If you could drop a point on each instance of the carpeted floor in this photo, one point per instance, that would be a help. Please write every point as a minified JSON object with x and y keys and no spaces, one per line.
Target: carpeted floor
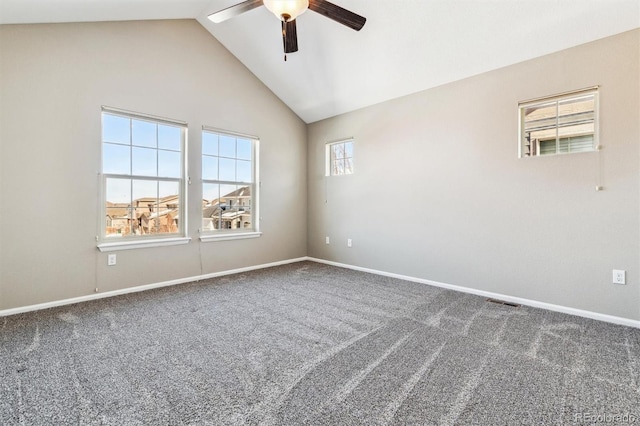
{"x":308,"y":343}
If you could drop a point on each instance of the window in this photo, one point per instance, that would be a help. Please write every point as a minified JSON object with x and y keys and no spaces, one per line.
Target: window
{"x":559,"y":124}
{"x":142,"y":177}
{"x":339,"y":158}
{"x":229,"y":191}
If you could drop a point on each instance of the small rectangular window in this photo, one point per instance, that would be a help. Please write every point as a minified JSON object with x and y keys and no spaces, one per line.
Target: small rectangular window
{"x":559,"y":124}
{"x":142,"y":176}
{"x":339,"y":158}
{"x":229,"y":176}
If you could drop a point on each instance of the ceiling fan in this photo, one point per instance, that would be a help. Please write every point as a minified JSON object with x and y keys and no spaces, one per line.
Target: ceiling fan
{"x":287,"y":11}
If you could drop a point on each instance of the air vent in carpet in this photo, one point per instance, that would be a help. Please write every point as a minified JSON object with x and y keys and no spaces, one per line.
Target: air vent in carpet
{"x":502,"y":302}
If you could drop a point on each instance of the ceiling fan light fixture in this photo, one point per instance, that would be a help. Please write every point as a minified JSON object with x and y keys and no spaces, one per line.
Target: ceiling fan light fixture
{"x":287,"y":10}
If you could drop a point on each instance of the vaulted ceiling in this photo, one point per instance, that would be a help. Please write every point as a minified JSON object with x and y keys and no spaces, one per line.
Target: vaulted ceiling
{"x":406,"y":45}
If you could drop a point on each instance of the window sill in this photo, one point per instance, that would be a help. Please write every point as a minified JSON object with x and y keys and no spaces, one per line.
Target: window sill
{"x":129,"y":245}
{"x":225,"y":237}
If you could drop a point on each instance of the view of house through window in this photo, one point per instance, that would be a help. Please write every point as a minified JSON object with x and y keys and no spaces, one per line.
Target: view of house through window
{"x":228,"y":182}
{"x":559,"y":124}
{"x":339,"y":158}
{"x":143,"y":175}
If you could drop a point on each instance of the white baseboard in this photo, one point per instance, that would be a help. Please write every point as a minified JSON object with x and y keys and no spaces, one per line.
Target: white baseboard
{"x":488,"y":294}
{"x":47,"y":305}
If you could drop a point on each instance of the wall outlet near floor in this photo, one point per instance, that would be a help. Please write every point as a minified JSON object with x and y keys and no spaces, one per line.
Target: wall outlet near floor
{"x":349,"y":242}
{"x":111,"y":260}
{"x":326,"y":239}
{"x":619,"y":276}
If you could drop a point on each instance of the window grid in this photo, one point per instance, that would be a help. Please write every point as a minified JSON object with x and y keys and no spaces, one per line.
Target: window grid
{"x":559,"y":124}
{"x":339,"y":158}
{"x":143,"y":194}
{"x":228,"y":182}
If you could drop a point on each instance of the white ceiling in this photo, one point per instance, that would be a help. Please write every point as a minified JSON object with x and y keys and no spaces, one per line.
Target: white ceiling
{"x":406,"y":45}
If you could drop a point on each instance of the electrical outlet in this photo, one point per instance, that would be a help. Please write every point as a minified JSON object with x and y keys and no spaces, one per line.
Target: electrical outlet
{"x":619,"y":276}
{"x":349,"y":242}
{"x":326,"y":239}
{"x":111,"y":260}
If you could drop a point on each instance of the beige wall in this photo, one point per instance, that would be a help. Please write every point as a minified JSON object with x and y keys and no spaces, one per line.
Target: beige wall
{"x":54,"y":80}
{"x":439,"y":192}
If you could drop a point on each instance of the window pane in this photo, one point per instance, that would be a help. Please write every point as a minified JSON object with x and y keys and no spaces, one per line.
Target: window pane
{"x":227,"y":191}
{"x":210,"y":192}
{"x":536,"y":115}
{"x":169,"y":164}
{"x":339,"y":167}
{"x":168,"y":192}
{"x":145,"y":203}
{"x":244,"y":149}
{"x":117,"y":223}
{"x":209,"y":143}
{"x":576,"y":117}
{"x":578,"y":129}
{"x":235,"y":216}
{"x":145,"y":194}
{"x":243,"y":208}
{"x":143,"y":133}
{"x":211,"y":207}
{"x":145,"y":162}
{"x":348,"y":149}
{"x":337,"y":151}
{"x":168,"y":207}
{"x":209,"y":167}
{"x":243,"y":171}
{"x":548,"y":147}
{"x":118,"y":192}
{"x":577,"y":108}
{"x":227,"y":146}
{"x":116,"y":159}
{"x":227,"y":206}
{"x":115,"y":129}
{"x":118,"y":203}
{"x":581,"y":143}
{"x":227,"y":169}
{"x":348,"y":166}
{"x":540,"y":121}
{"x":169,"y":137}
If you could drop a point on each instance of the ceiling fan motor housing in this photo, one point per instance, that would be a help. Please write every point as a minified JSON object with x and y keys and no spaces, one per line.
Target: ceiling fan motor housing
{"x":287,"y":10}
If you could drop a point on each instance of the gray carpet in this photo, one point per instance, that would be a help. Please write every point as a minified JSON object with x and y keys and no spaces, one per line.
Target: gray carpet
{"x":313,"y":344}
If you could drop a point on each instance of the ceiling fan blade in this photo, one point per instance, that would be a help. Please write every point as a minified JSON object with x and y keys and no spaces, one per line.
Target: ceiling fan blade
{"x":289,"y":36}
{"x":230,"y":12}
{"x":338,"y":14}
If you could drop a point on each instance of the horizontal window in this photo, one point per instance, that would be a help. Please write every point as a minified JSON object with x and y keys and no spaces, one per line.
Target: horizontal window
{"x":559,"y":124}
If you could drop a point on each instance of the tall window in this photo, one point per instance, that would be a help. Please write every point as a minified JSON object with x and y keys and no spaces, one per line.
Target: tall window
{"x":143,"y":176}
{"x":229,"y":176}
{"x":559,"y":124}
{"x":339,"y":158}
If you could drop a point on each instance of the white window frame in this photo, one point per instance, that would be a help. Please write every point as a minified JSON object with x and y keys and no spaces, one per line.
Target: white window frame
{"x":150,"y":240}
{"x":238,"y":233}
{"x":328,"y":162}
{"x":556,"y":99}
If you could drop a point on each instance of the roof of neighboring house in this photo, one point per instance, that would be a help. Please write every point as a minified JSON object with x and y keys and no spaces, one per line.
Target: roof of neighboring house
{"x":244,"y":191}
{"x":163,"y":213}
{"x":212,"y":208}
